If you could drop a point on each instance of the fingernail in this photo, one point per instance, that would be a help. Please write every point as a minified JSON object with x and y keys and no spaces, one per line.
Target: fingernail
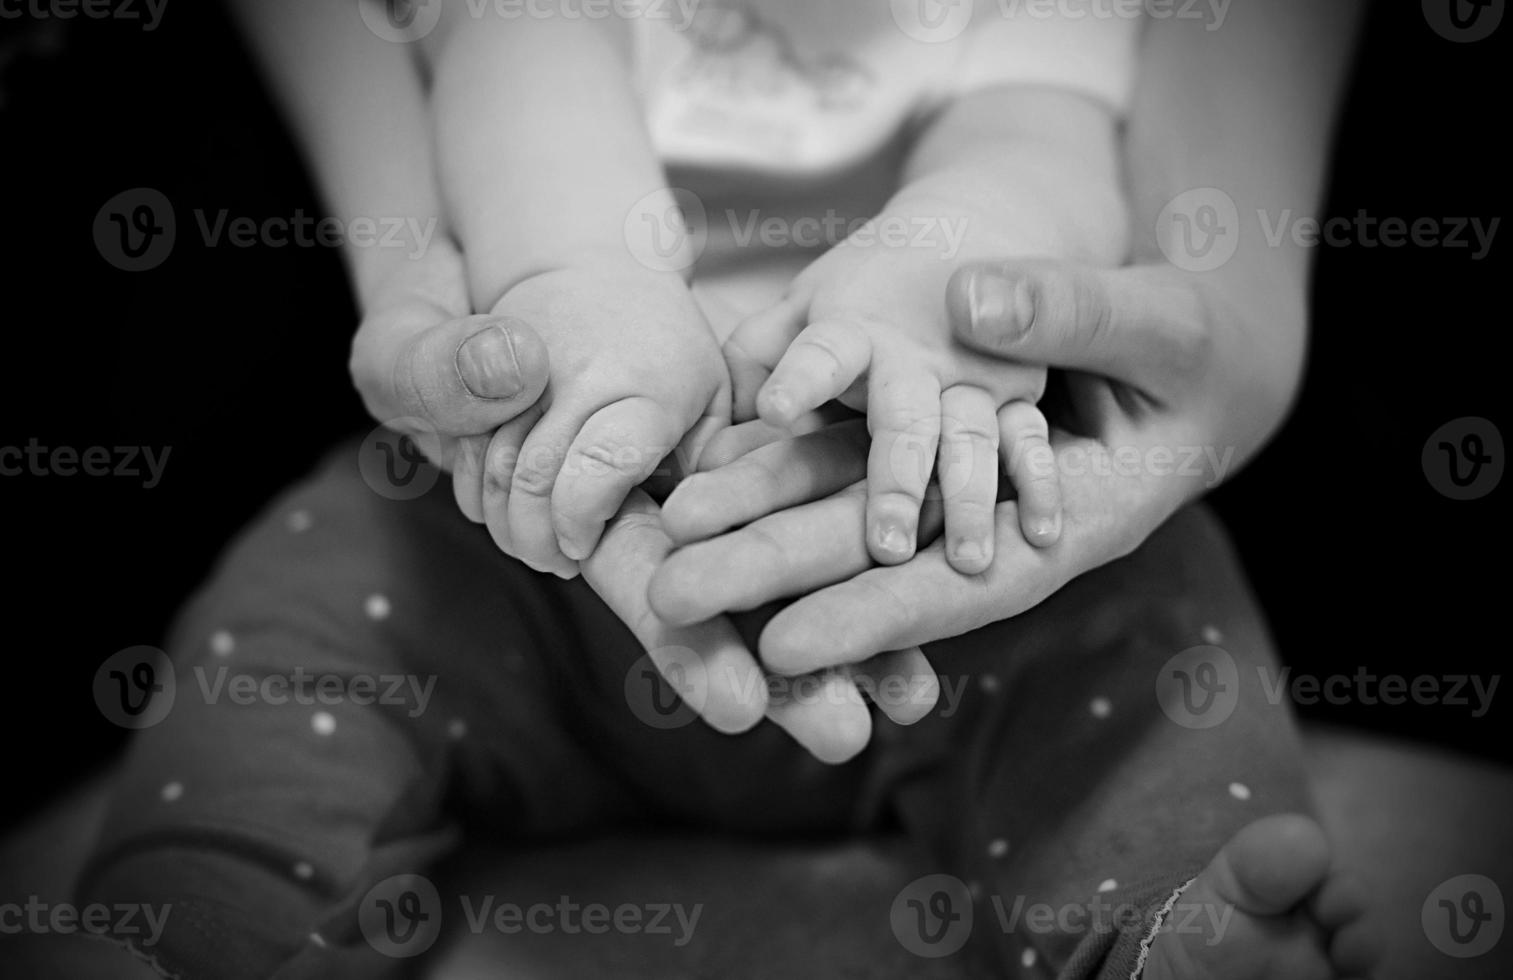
{"x":966,"y":550}
{"x":1047,"y":529}
{"x":1001,"y":309}
{"x":779,"y":403}
{"x":892,"y":539}
{"x":487,"y":364}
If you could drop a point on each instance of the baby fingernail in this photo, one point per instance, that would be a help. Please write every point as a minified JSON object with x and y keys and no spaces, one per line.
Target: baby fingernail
{"x":1046,"y":528}
{"x":779,"y":403}
{"x":487,"y":364}
{"x":892,"y":539}
{"x":966,"y":550}
{"x":1001,"y":308}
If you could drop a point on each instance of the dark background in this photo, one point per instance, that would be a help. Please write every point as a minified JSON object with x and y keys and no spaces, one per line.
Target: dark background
{"x":236,"y":359}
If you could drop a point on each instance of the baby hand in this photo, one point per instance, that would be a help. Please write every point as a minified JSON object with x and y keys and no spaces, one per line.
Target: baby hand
{"x":866,"y":324}
{"x":634,"y":370}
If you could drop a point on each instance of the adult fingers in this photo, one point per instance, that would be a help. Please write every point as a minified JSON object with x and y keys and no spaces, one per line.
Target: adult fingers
{"x":772,"y":477}
{"x":464,"y":376}
{"x":1143,"y":325}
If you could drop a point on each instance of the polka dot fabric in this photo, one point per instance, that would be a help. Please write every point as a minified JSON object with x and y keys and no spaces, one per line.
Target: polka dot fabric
{"x":461,"y":689}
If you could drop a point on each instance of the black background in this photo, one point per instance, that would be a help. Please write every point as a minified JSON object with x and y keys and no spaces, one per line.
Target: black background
{"x":236,"y":359}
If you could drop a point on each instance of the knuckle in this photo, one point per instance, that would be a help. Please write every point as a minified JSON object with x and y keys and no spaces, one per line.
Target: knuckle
{"x":634,"y":523}
{"x":903,"y":421}
{"x":533,"y":475}
{"x":606,"y":458}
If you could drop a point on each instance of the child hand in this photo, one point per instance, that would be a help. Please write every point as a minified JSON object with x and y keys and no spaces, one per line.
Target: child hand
{"x":634,"y":370}
{"x":866,"y":324}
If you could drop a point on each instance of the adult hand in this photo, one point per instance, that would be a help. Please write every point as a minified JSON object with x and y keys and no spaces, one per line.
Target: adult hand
{"x":1172,"y":388}
{"x":449,"y":379}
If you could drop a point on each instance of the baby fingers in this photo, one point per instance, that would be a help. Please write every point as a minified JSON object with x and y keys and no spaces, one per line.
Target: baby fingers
{"x":821,"y":364}
{"x":1031,"y":466}
{"x":968,"y":475}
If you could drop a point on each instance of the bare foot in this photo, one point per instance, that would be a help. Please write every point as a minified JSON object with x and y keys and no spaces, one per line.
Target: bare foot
{"x":1268,"y":907}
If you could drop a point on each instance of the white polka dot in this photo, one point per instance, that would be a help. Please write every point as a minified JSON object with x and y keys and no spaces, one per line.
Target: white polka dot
{"x":1212,"y":636}
{"x":317,"y":939}
{"x":998,"y":847}
{"x":300,"y":521}
{"x":974,"y":888}
{"x":1239,"y":791}
{"x":172,"y":791}
{"x":222,"y":643}
{"x":1027,"y":958}
{"x":323,"y":722}
{"x":303,"y":871}
{"x":1107,"y":885}
{"x":457,"y":728}
{"x":1100,"y":707}
{"x":377,"y":606}
{"x":989,"y":683}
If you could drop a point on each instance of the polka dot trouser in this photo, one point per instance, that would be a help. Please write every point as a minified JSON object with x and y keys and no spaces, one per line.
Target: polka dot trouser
{"x":364,"y":682}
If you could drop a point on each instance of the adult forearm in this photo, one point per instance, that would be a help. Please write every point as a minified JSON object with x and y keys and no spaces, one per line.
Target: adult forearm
{"x":1246,"y":108}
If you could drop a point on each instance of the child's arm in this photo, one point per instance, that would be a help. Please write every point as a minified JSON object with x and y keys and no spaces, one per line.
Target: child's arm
{"x":1035,"y":160}
{"x":567,"y":223}
{"x":544,"y":156}
{"x":356,"y":104}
